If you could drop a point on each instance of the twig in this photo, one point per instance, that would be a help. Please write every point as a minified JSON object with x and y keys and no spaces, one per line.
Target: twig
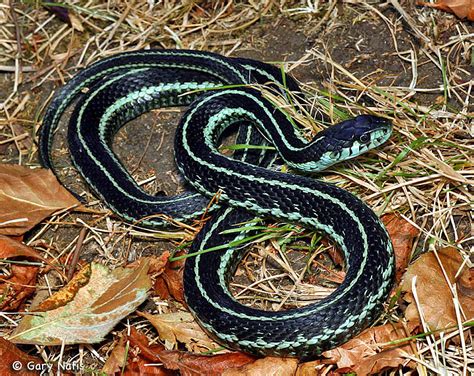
{"x":77,"y":252}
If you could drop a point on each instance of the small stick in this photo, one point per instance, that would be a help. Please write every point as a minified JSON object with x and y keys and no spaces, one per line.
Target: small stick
{"x":77,"y":251}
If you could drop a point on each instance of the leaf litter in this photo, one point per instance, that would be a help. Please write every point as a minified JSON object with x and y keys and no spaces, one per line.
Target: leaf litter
{"x":180,"y":327}
{"x":20,"y":283}
{"x":427,"y":190}
{"x":29,"y":196}
{"x":86,"y":309}
{"x":439,"y":278}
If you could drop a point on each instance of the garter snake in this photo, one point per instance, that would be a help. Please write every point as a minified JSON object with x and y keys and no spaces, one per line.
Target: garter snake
{"x":215,"y":88}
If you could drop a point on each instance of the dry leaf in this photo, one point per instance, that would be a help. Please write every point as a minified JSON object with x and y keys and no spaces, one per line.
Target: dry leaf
{"x":28,"y":196}
{"x":434,"y":294}
{"x":18,"y":286}
{"x":95,"y":308}
{"x":186,"y":363}
{"x":269,"y":366}
{"x":310,"y":368}
{"x":140,"y":340}
{"x":364,"y":354}
{"x":135,"y":359}
{"x":159,"y":263}
{"x":20,"y":283}
{"x":139,"y":366}
{"x":13,"y":358}
{"x":198,"y":365}
{"x":12,"y":248}
{"x":403,"y":235}
{"x":461,"y":8}
{"x":117,"y":358}
{"x":67,"y":293}
{"x":181,"y":327}
{"x":170,"y":282}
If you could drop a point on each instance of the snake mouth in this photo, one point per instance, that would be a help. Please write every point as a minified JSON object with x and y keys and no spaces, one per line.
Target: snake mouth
{"x":380,"y":135}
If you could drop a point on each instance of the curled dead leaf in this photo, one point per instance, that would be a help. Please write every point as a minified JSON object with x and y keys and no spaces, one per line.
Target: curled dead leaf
{"x":174,"y":360}
{"x":170,"y":283}
{"x":67,"y":293}
{"x":93,"y":311}
{"x":19,"y":285}
{"x":466,"y":284}
{"x":434,"y":292}
{"x":403,"y":234}
{"x":181,"y":327}
{"x":10,"y":354}
{"x":196,"y":365}
{"x":270,"y":366}
{"x":10,"y":247}
{"x":147,"y":351}
{"x":139,"y":366}
{"x":29,"y":196}
{"x":371,"y":352}
{"x":127,"y":359}
{"x":312,"y":368}
{"x":117,"y":358}
{"x":159,"y":263}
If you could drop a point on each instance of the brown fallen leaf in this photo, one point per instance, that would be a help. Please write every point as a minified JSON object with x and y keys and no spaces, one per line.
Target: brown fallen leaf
{"x":17,"y":287}
{"x":170,"y":282}
{"x":269,"y":366}
{"x":403,"y":235}
{"x":131,"y":355}
{"x":312,"y":368}
{"x":67,"y":293}
{"x":91,"y":311}
{"x":29,"y":196}
{"x":159,"y":263}
{"x":141,"y":341}
{"x":13,"y":358}
{"x":465,"y":284}
{"x":10,"y":247}
{"x":198,"y":365}
{"x":184,"y":362}
{"x":434,"y":294}
{"x":181,"y":327}
{"x":20,"y":283}
{"x":139,"y":366}
{"x":365,"y":355}
{"x":117,"y":358}
{"x":461,"y":8}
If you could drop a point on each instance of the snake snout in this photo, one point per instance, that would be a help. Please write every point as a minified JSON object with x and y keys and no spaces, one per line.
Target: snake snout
{"x":364,"y":132}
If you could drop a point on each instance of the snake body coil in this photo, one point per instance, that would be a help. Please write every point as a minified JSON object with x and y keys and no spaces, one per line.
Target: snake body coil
{"x":126,"y":85}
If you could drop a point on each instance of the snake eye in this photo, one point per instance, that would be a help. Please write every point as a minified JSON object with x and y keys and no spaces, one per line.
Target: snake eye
{"x":364,"y":138}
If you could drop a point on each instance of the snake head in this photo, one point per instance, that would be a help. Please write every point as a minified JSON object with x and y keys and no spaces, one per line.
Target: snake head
{"x":359,"y":134}
{"x":349,"y":139}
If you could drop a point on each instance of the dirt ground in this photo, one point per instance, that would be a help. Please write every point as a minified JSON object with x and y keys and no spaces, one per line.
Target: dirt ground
{"x":335,"y":49}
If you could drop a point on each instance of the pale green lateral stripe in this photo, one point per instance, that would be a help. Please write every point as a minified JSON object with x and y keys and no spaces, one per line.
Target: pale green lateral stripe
{"x":119,"y":99}
{"x":130,"y":98}
{"x":278,"y":213}
{"x":74,"y":92}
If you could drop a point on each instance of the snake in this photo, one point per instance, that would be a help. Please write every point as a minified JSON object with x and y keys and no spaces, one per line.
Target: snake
{"x":223,"y":94}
